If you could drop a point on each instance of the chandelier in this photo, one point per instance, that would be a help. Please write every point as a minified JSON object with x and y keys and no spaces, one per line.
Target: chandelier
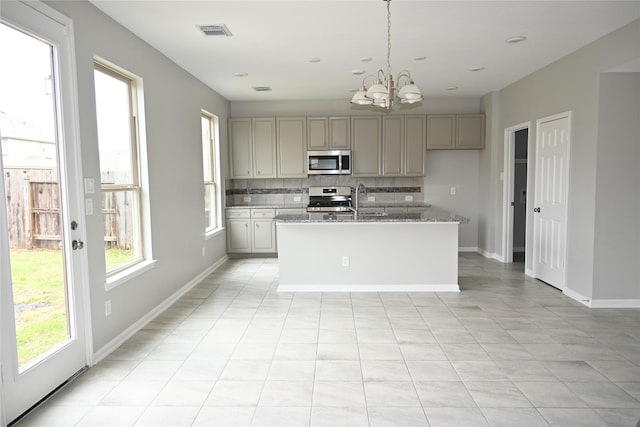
{"x":381,"y":94}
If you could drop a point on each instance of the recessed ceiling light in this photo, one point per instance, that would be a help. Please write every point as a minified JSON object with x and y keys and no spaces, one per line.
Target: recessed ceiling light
{"x":476,"y":68}
{"x":314,"y":60}
{"x":358,"y":72}
{"x":420,"y":58}
{"x":241,"y":74}
{"x":516,"y":39}
{"x":366,"y":59}
{"x":452,"y":88}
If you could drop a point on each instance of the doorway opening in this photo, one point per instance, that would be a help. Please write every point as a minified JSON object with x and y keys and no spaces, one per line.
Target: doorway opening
{"x":521,"y":141}
{"x":516,"y":185}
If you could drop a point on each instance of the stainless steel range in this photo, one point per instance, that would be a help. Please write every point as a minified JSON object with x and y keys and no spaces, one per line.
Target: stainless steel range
{"x":329,"y":199}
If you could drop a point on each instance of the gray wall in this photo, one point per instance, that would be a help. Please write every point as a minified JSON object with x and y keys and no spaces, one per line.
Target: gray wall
{"x":569,"y":84}
{"x":173,"y":100}
{"x":617,"y":229}
{"x":444,"y":169}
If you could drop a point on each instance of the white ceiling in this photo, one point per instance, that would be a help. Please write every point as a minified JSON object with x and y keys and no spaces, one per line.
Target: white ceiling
{"x":273,"y":41}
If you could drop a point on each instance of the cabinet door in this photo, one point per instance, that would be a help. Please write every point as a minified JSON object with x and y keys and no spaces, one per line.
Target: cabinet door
{"x":241,"y":153}
{"x":292,"y":143}
{"x":415,"y":141}
{"x":366,"y":146}
{"x":264,"y":235}
{"x":441,"y":132}
{"x":238,"y":236}
{"x":339,"y":133}
{"x":264,"y":148}
{"x":392,"y":145}
{"x":470,"y":131}
{"x":318,"y":133}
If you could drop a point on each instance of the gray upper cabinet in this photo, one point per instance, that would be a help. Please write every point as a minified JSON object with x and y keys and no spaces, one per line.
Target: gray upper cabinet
{"x":441,"y":130}
{"x":415,"y":137}
{"x":340,"y":133}
{"x":366,"y":146}
{"x":264,"y":147}
{"x":241,"y":152}
{"x":393,"y":145}
{"x":318,"y":132}
{"x":253,"y":147}
{"x":455,"y":132}
{"x":292,"y":144}
{"x":404,"y":145}
{"x":470,"y":131}
{"x":327,"y":133}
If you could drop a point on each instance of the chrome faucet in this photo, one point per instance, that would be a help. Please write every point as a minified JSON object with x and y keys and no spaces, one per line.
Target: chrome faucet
{"x":359,"y":189}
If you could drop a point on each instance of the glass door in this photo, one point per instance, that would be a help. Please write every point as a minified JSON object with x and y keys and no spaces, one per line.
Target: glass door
{"x":43,"y":343}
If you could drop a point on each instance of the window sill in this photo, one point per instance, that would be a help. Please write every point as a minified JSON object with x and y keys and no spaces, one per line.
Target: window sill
{"x":128,"y":274}
{"x":213,"y":233}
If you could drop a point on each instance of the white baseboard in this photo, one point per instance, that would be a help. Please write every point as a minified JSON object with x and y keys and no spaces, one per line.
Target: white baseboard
{"x":577,"y":296}
{"x":468,"y":249}
{"x":112,"y":345}
{"x":370,"y":288}
{"x":486,"y":254}
{"x":615,"y":303}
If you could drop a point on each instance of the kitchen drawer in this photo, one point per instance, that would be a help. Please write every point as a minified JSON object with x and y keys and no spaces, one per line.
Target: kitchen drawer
{"x":262,"y":213}
{"x":238,"y":213}
{"x":294,"y":211}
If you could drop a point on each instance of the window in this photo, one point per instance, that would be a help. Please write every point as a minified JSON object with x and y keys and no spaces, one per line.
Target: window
{"x":118,"y":144}
{"x":210,"y":169}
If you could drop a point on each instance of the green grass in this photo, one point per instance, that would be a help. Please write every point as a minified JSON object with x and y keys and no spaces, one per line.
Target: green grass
{"x":38,"y":289}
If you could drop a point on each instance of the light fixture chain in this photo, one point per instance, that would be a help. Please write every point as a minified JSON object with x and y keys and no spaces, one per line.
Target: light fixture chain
{"x":388,"y":36}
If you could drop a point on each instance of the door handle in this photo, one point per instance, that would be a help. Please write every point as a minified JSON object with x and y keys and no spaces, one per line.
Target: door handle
{"x":536,"y":210}
{"x":77,"y":244}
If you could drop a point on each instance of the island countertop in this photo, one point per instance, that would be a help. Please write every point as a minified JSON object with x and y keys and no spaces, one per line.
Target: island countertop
{"x":426,"y":215}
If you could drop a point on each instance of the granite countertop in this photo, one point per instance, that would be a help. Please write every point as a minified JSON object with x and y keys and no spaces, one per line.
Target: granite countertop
{"x":362,"y":206}
{"x":427,"y":215}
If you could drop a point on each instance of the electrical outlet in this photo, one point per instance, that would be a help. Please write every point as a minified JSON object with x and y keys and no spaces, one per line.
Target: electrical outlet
{"x":203,"y":251}
{"x":297,"y":198}
{"x":246,"y":198}
{"x":371,"y":198}
{"x":453,"y":191}
{"x":408,"y":198}
{"x":345,"y":260}
{"x":107,"y":308}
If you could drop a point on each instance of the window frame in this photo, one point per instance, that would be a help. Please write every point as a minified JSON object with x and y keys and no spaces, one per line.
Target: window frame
{"x":136,"y":187}
{"x":213,"y":181}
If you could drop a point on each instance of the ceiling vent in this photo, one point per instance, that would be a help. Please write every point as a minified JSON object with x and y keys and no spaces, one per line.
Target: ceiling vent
{"x":262,"y":88}
{"x":215,"y":30}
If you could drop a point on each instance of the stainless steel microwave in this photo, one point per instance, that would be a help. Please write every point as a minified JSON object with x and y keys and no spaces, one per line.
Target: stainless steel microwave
{"x":329,"y":162}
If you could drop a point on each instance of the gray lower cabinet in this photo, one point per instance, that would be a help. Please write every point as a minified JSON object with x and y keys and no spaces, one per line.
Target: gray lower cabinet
{"x":251,"y":231}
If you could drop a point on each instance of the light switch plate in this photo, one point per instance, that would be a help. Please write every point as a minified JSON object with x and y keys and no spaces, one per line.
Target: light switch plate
{"x":89,"y":186}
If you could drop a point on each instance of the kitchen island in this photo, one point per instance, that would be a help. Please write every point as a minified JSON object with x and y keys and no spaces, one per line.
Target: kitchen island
{"x":377,"y":252}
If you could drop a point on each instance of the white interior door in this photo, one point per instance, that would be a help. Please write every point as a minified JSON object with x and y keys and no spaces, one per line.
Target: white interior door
{"x":551,"y":193}
{"x":42,"y":263}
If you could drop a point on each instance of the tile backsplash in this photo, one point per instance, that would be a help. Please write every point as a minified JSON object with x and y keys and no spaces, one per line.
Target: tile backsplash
{"x":295,"y":191}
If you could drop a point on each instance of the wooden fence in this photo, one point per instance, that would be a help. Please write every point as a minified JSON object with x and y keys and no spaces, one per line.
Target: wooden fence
{"x":33,"y":207}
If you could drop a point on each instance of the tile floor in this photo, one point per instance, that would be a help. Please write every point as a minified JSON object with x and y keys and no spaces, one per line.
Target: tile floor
{"x":506,"y":351}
